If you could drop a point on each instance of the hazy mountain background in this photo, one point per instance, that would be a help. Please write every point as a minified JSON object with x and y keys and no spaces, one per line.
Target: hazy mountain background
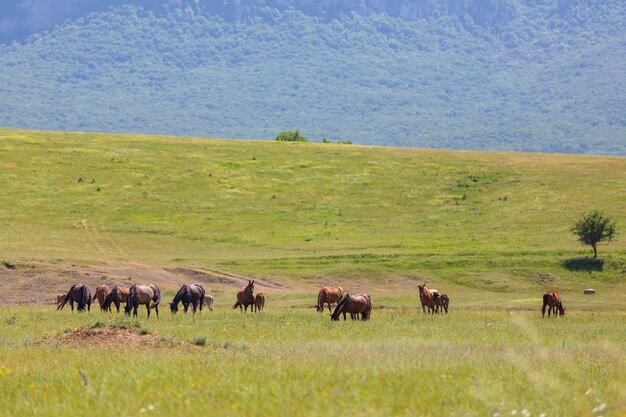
{"x":537,"y":75}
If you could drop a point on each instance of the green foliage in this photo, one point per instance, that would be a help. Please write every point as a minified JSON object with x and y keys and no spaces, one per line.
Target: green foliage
{"x":501,"y":75}
{"x":291,"y":136}
{"x":594,"y":227}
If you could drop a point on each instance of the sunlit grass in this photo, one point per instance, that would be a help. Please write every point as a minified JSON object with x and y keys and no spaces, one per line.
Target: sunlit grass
{"x":289,"y":362}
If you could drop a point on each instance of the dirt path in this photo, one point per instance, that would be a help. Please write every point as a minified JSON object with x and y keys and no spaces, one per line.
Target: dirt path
{"x":17,"y":286}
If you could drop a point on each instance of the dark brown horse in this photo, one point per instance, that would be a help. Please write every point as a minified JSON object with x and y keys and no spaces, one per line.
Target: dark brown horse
{"x":79,"y":294}
{"x":117,"y":296}
{"x":188,"y":294}
{"x":441,"y":302}
{"x":355,"y":305}
{"x":328,"y":295}
{"x":245,"y":297}
{"x":427,"y":298}
{"x":259,"y":302}
{"x":101,"y":294}
{"x":142,"y":295}
{"x":552,"y":300}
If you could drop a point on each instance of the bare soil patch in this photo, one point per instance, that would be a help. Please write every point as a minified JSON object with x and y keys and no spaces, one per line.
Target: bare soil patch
{"x":113,"y":338}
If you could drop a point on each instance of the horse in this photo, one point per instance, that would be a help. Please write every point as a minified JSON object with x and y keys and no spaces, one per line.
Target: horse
{"x":60,"y":298}
{"x":427,"y":298}
{"x":188,"y":294}
{"x":245,"y":297}
{"x":143,"y":294}
{"x":328,"y":295}
{"x":117,"y":296}
{"x":81,"y":295}
{"x":259,"y":302}
{"x":208,"y":301}
{"x":101,"y":294}
{"x":441,"y":302}
{"x":355,"y":305}
{"x":552,"y":300}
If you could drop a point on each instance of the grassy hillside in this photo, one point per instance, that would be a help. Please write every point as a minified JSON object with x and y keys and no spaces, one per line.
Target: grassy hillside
{"x":493,"y":221}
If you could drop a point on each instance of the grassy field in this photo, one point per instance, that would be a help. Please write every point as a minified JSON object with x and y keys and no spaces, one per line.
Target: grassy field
{"x":490,"y":229}
{"x":289,"y":362}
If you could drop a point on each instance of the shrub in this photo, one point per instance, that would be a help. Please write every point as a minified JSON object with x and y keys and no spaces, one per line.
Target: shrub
{"x":291,"y":136}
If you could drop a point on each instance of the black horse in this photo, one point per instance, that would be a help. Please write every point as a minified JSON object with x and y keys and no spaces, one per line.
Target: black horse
{"x":81,"y":295}
{"x":188,"y":294}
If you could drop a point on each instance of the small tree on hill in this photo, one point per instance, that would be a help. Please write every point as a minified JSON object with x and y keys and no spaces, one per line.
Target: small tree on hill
{"x":291,"y":136}
{"x":594,"y":227}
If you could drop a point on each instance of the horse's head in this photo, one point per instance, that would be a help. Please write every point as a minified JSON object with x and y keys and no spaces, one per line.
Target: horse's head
{"x":174,"y":307}
{"x":127,"y":308}
{"x":561,"y":310}
{"x":251,"y":285}
{"x":421,"y":288}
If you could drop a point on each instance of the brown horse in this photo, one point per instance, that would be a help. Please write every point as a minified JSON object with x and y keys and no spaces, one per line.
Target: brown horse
{"x":355,"y":305}
{"x":441,"y":302}
{"x":60,"y":298}
{"x":117,"y":296}
{"x":552,"y":300}
{"x":259,"y":302}
{"x":79,"y":294}
{"x":329,"y":295}
{"x":101,"y":294}
{"x":142,"y":295}
{"x":245,"y":297}
{"x":427,"y":298}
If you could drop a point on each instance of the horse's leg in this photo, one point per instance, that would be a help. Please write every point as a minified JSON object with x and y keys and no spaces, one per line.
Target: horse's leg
{"x":117,"y":306}
{"x":148,"y":308}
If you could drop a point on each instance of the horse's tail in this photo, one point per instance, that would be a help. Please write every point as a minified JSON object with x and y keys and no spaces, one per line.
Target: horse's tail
{"x":86,"y":297}
{"x":66,"y":299}
{"x":368,"y":310}
{"x":320,"y":300}
{"x":236,"y":305}
{"x":156,"y":298}
{"x":545,"y":303}
{"x":109,"y":298}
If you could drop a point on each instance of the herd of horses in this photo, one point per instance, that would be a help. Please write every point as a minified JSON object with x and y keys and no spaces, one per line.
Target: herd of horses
{"x":359,"y":306}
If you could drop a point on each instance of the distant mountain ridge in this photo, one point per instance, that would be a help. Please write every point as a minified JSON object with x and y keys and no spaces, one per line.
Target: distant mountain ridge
{"x":532,"y":75}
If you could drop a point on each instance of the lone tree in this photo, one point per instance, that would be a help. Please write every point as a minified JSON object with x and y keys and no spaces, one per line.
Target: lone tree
{"x":594,"y":227}
{"x":291,"y":136}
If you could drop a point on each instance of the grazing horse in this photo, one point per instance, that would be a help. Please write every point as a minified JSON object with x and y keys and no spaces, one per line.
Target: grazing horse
{"x":101,"y":294}
{"x":60,"y":298}
{"x":143,"y":294}
{"x":208,"y":301}
{"x":259,"y":302}
{"x":427,"y":298}
{"x":328,"y":295}
{"x":117,"y":296}
{"x":355,"y":305}
{"x":188,"y":294}
{"x":245,"y":297}
{"x":552,"y":300}
{"x":441,"y":302}
{"x":81,"y":295}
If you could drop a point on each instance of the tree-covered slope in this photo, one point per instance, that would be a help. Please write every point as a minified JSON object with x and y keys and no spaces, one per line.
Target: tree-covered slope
{"x":480,"y":74}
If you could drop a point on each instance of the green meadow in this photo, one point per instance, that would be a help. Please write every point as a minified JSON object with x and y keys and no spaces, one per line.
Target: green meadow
{"x":492,"y":230}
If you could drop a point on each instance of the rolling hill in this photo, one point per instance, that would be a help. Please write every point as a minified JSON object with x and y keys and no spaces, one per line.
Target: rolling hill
{"x":298,"y":214}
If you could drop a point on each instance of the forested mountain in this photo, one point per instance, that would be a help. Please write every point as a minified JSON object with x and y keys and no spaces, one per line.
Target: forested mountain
{"x":534,"y":75}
